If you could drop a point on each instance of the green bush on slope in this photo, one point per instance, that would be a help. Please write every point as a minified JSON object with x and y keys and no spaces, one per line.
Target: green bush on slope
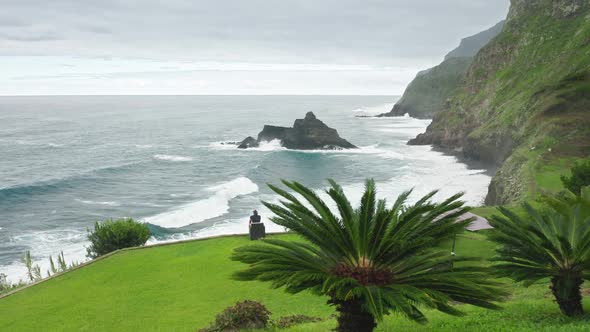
{"x":112,"y":235}
{"x":579,"y":178}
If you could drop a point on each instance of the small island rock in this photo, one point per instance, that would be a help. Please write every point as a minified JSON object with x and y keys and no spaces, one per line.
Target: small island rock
{"x":308,"y":133}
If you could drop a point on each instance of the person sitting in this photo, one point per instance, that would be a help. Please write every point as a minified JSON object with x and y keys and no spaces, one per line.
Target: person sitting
{"x":257,"y":230}
{"x":254,"y":218}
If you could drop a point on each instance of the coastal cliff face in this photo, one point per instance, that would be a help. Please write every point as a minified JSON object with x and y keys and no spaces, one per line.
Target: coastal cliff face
{"x":525,"y":102}
{"x":427,"y":93}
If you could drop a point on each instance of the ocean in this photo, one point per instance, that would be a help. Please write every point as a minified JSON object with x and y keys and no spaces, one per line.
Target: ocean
{"x":69,"y":161}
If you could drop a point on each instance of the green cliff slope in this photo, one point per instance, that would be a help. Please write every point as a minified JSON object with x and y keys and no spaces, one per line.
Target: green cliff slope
{"x":525,"y":104}
{"x":427,"y":93}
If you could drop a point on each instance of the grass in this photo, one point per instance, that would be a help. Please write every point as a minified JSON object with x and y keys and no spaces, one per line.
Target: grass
{"x":182,"y":287}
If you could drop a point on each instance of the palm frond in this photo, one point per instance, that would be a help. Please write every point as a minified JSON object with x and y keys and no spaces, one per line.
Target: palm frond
{"x":385,"y":257}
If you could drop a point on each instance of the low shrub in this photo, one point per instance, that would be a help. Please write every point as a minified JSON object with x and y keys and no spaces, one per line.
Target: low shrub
{"x":7,"y":286}
{"x":243,"y":315}
{"x":112,"y":235}
{"x":288,"y":321}
{"x":580,"y":177}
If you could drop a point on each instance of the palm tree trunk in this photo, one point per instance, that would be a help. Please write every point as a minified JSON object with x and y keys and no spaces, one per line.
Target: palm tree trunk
{"x":352,"y":318}
{"x":566,"y":289}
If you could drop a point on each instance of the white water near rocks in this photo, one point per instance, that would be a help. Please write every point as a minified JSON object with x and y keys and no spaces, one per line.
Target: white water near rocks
{"x":71,"y":161}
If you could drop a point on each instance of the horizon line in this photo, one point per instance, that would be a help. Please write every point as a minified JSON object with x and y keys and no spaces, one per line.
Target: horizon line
{"x":197,"y":95}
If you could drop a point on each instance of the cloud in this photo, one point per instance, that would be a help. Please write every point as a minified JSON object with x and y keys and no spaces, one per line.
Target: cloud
{"x":288,"y":42}
{"x":6,"y":21}
{"x":29,"y":37}
{"x":319,"y":31}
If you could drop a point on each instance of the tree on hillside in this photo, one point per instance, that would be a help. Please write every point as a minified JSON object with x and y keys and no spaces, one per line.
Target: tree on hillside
{"x":553,"y":242}
{"x":369,"y":261}
{"x":579,"y":178}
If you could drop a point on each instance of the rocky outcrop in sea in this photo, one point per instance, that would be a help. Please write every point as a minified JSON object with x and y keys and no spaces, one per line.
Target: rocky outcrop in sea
{"x":308,"y":133}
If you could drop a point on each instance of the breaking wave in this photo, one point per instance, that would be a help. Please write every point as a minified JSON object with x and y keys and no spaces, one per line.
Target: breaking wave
{"x":214,"y":206}
{"x":172,"y":158}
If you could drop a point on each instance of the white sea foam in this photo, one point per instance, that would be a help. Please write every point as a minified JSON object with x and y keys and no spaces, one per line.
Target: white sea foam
{"x":172,"y":158}
{"x":226,"y":227}
{"x":43,"y":244}
{"x":449,"y":177}
{"x":109,"y":203}
{"x":374,"y":110}
{"x":220,"y":146}
{"x":30,"y":143}
{"x":143,"y":146}
{"x":214,"y":206}
{"x":275,"y":145}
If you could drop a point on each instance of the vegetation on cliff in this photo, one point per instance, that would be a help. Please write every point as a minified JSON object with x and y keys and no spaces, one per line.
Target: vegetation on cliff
{"x":526,"y":101}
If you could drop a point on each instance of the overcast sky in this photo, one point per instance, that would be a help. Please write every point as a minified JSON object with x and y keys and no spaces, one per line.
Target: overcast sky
{"x":229,"y":46}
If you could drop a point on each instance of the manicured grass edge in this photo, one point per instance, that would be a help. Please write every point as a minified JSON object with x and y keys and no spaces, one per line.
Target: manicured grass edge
{"x":92,"y":261}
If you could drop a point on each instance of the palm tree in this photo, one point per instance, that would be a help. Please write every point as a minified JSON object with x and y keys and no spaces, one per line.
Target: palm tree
{"x":369,"y":261}
{"x":553,"y":243}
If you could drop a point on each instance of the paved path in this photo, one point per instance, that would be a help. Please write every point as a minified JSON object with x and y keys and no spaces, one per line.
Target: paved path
{"x":478,"y":224}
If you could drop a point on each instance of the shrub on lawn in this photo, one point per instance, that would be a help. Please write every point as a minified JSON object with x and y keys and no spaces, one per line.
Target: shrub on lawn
{"x":288,"y":321}
{"x":112,"y":235}
{"x":243,"y":315}
{"x":580,"y":177}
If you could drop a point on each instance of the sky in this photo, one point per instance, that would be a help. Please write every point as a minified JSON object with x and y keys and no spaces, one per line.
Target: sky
{"x":178,"y":47}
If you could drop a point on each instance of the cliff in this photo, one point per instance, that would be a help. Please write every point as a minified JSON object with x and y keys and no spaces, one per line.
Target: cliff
{"x":427,"y":93}
{"x":525,"y":103}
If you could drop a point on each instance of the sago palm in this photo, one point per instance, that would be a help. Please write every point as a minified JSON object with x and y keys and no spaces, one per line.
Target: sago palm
{"x":549,"y":243}
{"x":372,"y":260}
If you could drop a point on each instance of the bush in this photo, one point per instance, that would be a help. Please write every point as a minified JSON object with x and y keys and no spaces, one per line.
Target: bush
{"x":243,"y":315}
{"x":7,"y":286}
{"x":580,"y":177}
{"x":288,"y":321}
{"x":112,"y":235}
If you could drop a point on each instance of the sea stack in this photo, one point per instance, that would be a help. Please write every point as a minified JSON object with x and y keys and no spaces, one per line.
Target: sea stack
{"x":308,"y":133}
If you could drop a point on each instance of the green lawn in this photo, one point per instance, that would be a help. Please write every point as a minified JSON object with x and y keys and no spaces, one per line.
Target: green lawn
{"x":181,"y":287}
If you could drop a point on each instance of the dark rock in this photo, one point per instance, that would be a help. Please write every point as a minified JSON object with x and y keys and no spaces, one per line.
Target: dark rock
{"x":270,"y":133}
{"x":308,"y":133}
{"x":311,"y":133}
{"x":248,"y":142}
{"x":397,"y":110}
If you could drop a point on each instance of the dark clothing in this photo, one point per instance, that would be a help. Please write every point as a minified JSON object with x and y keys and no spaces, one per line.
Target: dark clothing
{"x":254,"y":218}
